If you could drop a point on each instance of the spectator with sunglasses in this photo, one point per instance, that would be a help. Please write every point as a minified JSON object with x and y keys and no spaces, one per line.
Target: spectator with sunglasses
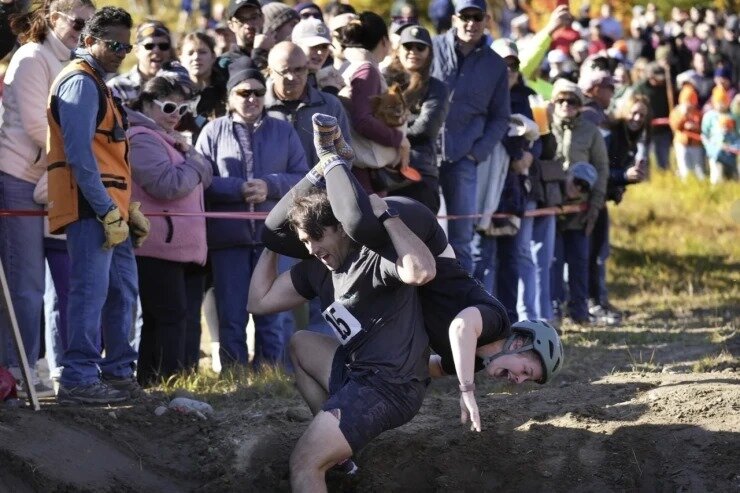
{"x":478,"y":118}
{"x":256,"y":160}
{"x":168,"y":175}
{"x":49,"y":36}
{"x":153,"y":50}
{"x":246,"y":21}
{"x":427,"y":99}
{"x":578,"y":140}
{"x":89,"y":197}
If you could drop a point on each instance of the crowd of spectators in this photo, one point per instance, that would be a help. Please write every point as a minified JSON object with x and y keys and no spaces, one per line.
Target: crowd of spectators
{"x":501,"y":119}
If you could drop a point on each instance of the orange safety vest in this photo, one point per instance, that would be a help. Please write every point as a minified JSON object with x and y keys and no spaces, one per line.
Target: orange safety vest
{"x":109,"y":146}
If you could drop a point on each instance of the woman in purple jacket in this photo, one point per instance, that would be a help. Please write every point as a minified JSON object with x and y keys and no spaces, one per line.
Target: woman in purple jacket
{"x":168,"y":176}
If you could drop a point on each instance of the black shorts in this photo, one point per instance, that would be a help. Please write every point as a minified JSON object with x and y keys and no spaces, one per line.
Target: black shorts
{"x":369,"y":405}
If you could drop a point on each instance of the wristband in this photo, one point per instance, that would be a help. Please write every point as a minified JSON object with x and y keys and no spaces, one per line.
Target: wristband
{"x":467,"y":387}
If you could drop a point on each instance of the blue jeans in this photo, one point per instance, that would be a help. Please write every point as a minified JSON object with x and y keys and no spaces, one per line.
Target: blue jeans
{"x":662,"y":143}
{"x":458,"y":181}
{"x":56,"y":303}
{"x":543,"y":248}
{"x":528,"y":289}
{"x":103,"y":287}
{"x":599,"y":253}
{"x":572,"y":247}
{"x":232,"y":272}
{"x":22,"y":255}
{"x":497,"y":269}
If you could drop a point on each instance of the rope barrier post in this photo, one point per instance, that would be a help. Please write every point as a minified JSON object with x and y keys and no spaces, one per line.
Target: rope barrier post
{"x":20,"y":349}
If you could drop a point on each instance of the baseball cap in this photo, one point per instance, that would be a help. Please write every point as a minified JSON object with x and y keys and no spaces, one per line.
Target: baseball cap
{"x":415,"y":34}
{"x":557,"y":56}
{"x":505,"y":47}
{"x":461,"y":5}
{"x":311,"y":32}
{"x":583,"y":171}
{"x":595,"y":78}
{"x":235,"y":5}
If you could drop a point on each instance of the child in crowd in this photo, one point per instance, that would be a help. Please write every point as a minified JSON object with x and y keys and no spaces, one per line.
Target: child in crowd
{"x":685,"y":121}
{"x":719,"y":135}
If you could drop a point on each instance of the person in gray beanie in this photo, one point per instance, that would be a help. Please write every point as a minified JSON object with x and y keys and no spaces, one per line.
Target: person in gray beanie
{"x":280,"y":20}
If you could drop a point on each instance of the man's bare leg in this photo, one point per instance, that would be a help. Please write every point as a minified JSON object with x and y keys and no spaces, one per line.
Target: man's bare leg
{"x":319,"y":448}
{"x":312,"y":355}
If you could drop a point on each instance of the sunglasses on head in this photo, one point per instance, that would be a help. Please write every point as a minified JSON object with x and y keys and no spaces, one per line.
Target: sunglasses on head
{"x":472,"y":16}
{"x":168,"y":107}
{"x":164,"y":46}
{"x":568,"y":101}
{"x":415,"y":46}
{"x":116,"y":46}
{"x":77,"y":23}
{"x":248,"y":93}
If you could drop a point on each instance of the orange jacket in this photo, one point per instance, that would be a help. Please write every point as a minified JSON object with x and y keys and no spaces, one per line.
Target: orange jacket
{"x":685,"y":121}
{"x":111,"y":154}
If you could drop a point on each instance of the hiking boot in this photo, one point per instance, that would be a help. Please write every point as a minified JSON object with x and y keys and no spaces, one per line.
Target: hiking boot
{"x":126,"y":384}
{"x":605,"y":314}
{"x":96,"y":393}
{"x":42,"y":391}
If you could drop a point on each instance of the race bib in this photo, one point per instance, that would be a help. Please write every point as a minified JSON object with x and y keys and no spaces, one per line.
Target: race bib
{"x":345,"y":325}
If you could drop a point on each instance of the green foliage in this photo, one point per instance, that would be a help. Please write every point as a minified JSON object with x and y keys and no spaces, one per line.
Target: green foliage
{"x":675,"y":241}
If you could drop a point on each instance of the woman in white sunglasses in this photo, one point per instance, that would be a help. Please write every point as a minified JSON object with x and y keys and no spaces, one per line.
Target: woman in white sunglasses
{"x":168,"y":176}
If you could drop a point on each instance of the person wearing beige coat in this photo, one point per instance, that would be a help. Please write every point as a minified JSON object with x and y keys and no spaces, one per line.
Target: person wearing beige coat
{"x":48,"y":36}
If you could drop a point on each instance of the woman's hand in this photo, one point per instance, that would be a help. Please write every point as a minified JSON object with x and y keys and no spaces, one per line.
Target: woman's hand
{"x":469,"y":409}
{"x":181,"y":143}
{"x":635,"y":174}
{"x":254,"y":191}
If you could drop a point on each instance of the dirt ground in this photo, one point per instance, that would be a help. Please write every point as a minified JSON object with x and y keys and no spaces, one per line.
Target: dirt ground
{"x":653,"y":406}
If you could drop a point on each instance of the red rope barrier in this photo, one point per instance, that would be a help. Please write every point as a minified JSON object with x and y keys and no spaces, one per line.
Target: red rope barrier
{"x":547,"y":211}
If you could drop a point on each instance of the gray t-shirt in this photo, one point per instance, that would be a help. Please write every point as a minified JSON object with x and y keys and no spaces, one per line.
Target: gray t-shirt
{"x":375,"y":316}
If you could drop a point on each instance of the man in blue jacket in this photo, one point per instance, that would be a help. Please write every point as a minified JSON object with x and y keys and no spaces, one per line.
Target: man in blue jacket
{"x":478,"y":116}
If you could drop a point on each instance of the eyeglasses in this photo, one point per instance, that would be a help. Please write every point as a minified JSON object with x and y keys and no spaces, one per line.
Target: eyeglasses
{"x":168,"y":107}
{"x":77,"y":23}
{"x":568,"y":101}
{"x":116,"y":46}
{"x":472,"y":16}
{"x":296,"y":71}
{"x":307,"y":14}
{"x":247,"y":19}
{"x":248,"y":93}
{"x":415,"y":47}
{"x":164,"y":46}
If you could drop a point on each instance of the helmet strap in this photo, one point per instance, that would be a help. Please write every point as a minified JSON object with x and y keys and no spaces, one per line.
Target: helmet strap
{"x":507,"y":350}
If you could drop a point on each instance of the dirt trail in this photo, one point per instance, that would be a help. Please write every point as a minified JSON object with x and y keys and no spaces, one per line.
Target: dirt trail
{"x":598,"y":428}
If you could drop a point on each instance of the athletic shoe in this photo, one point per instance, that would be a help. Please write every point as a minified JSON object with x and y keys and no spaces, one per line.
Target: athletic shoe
{"x":126,"y":384}
{"x":605,"y":314}
{"x":96,"y":393}
{"x":42,"y":391}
